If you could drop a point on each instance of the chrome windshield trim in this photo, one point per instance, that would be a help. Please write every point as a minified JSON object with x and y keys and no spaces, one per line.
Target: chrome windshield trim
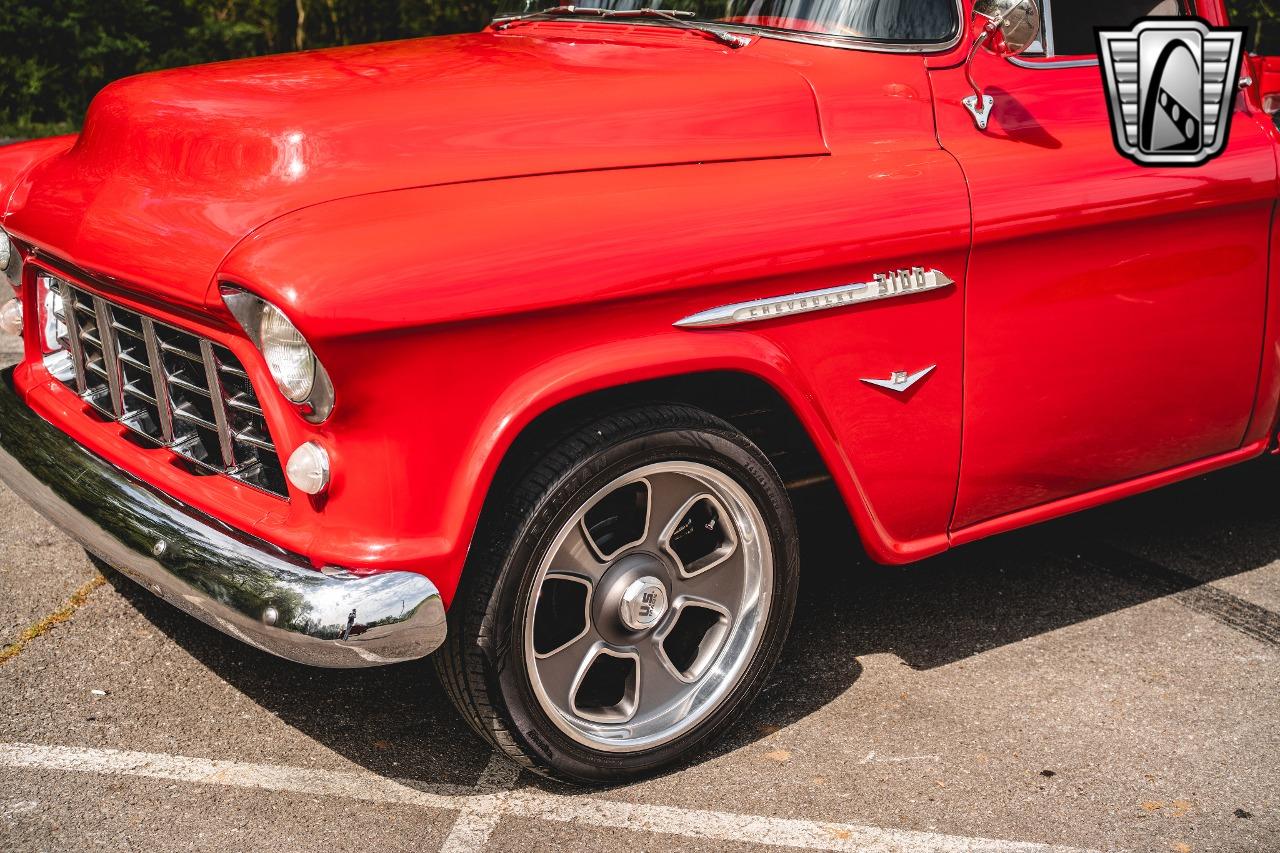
{"x":884,"y":286}
{"x":1046,"y":17}
{"x":818,"y":39}
{"x":1050,"y":64}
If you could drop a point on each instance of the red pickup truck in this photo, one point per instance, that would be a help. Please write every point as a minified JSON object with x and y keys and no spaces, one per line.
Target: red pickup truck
{"x":537,"y":326}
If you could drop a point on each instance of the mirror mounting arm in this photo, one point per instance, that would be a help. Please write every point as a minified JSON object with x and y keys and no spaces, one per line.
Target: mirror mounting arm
{"x":1008,"y":28}
{"x":979,"y":104}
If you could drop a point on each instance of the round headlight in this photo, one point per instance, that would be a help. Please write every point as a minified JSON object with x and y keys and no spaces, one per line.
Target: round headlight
{"x":290,"y":360}
{"x":6,"y":251}
{"x":288,"y":356}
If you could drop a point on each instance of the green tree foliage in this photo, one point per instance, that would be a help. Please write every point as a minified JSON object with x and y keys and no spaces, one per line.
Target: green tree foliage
{"x":56,"y":54}
{"x":1263,"y":23}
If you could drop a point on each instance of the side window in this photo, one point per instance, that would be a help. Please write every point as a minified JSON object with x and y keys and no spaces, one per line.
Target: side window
{"x":1069,"y":24}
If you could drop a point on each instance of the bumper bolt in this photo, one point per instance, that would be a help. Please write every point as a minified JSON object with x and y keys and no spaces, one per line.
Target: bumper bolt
{"x":160,"y":548}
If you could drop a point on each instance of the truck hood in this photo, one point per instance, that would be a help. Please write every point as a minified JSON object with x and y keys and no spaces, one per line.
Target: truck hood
{"x":173,"y":169}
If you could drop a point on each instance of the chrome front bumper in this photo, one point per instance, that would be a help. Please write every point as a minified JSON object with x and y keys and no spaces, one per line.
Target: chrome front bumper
{"x":241,"y":585}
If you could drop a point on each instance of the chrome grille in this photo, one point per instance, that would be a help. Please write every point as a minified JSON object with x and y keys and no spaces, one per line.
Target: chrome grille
{"x":176,"y":389}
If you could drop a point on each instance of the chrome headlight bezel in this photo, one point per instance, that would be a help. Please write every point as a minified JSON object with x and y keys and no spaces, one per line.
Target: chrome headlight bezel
{"x":267,"y":325}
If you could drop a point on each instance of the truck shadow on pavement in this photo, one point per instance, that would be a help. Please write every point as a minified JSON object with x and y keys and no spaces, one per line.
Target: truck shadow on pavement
{"x":397,"y":722}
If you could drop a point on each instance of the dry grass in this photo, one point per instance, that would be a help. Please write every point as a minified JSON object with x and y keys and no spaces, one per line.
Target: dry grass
{"x":54,"y":619}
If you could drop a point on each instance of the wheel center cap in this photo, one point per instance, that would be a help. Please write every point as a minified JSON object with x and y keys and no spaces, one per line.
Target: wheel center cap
{"x":643,"y":603}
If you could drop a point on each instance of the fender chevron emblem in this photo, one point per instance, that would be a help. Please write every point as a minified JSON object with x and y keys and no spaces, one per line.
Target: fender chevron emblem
{"x":901,"y":381}
{"x":885,"y":286}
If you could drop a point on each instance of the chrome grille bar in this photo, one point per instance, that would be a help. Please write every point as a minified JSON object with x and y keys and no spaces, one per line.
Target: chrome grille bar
{"x":219,"y":412}
{"x":159,"y":380}
{"x":240,"y":404}
{"x":184,"y":413}
{"x":177,"y":381}
{"x":107,"y":342}
{"x":180,"y":390}
{"x":255,"y":440}
{"x":73,"y":335}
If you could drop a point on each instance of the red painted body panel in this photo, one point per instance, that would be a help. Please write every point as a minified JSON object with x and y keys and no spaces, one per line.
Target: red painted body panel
{"x":1115,"y":312}
{"x":174,"y":168}
{"x":473,"y":230}
{"x":565,"y":309}
{"x":1266,"y":74}
{"x":16,"y":160}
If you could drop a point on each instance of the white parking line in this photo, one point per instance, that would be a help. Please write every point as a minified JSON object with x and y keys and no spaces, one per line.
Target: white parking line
{"x":479,"y":818}
{"x":872,"y":758}
{"x":484,"y":805}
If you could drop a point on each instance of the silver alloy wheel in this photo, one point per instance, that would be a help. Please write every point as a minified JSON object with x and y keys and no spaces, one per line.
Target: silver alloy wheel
{"x":649,"y":606}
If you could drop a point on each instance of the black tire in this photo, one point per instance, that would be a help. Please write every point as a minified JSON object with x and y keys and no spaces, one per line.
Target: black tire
{"x":482,"y":664}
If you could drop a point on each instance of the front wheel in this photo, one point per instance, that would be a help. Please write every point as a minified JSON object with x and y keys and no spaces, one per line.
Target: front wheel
{"x":628,"y":598}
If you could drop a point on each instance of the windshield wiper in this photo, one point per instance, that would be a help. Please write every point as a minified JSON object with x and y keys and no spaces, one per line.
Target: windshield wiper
{"x":672,"y":17}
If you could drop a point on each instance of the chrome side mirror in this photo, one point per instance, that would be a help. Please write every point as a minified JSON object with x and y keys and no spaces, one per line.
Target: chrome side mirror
{"x":1005,"y":28}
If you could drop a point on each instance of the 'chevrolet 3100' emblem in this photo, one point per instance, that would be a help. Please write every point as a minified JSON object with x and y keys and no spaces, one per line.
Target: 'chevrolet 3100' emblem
{"x":883,"y":286}
{"x":1171,"y":85}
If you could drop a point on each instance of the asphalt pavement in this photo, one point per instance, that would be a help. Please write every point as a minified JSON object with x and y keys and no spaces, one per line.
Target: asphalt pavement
{"x":1107,"y":682}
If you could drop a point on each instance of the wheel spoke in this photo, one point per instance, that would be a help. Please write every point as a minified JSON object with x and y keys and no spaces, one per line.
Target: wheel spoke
{"x":669,"y":497}
{"x":722,"y":585}
{"x":559,"y":670}
{"x":658,"y":685}
{"x":562,"y":614}
{"x":575,"y":556}
{"x":691,"y":644}
{"x":616,"y":521}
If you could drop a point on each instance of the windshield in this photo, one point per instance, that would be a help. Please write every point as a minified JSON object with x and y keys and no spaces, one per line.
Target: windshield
{"x":913,"y":21}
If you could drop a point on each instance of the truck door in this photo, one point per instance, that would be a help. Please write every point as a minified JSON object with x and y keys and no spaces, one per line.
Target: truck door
{"x":1114,"y":313}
